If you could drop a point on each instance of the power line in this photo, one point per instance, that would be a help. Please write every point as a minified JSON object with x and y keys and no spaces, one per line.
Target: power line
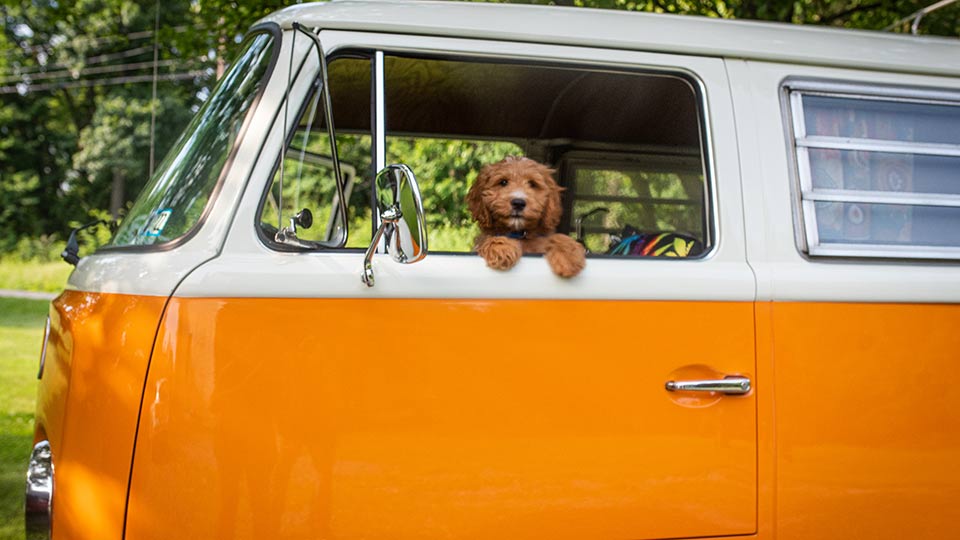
{"x":29,"y":77}
{"x":99,"y":59}
{"x":133,"y":36}
{"x":130,"y":79}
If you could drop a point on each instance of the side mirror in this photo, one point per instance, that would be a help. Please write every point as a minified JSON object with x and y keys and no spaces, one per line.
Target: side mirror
{"x":71,"y":254}
{"x":401,"y":219}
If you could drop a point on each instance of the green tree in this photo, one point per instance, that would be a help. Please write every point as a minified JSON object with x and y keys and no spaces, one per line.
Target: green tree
{"x":76,"y":102}
{"x":76,"y":98}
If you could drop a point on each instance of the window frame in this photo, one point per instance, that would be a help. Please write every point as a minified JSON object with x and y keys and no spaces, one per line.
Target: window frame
{"x":272,"y":29}
{"x":377,"y":54}
{"x":289,"y":139}
{"x":805,"y":195}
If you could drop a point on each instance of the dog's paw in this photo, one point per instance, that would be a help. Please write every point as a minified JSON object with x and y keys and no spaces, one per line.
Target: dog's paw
{"x":500,"y":253}
{"x":565,"y":256}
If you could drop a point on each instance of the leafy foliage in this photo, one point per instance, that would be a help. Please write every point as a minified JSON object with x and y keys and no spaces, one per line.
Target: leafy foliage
{"x":76,"y":99}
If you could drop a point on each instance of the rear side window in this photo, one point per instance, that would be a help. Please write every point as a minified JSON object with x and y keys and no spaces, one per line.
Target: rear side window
{"x":879,"y":175}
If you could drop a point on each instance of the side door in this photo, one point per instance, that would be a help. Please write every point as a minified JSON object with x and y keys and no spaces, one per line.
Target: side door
{"x":288,"y":399}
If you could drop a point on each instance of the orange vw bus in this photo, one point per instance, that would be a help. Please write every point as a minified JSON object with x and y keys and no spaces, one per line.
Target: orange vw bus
{"x":247,"y":359}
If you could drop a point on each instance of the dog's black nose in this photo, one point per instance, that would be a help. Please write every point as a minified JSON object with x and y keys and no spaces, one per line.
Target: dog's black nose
{"x":518,"y":204}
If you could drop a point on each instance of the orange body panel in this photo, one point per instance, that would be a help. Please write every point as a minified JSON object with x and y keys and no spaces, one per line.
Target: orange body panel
{"x":270,"y":418}
{"x":88,"y":402}
{"x":468,"y":419}
{"x":867,"y":420}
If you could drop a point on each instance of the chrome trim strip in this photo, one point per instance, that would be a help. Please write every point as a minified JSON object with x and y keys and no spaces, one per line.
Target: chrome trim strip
{"x":789,"y":107}
{"x":875,"y":145}
{"x":799,"y":121}
{"x":807,"y":208}
{"x":379,"y":141}
{"x":886,"y":250}
{"x":882,"y":197}
{"x":873,"y":92}
{"x":379,"y":130}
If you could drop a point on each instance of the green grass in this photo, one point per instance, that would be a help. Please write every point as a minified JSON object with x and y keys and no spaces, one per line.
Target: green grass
{"x":34,"y":276}
{"x":21,"y":332}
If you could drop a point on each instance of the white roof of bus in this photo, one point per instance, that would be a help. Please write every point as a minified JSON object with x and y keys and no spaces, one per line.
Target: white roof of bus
{"x":816,"y":45}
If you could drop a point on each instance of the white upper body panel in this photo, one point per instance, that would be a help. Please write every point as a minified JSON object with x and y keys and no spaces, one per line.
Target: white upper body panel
{"x":678,"y":34}
{"x":248,"y":268}
{"x":157,"y":271}
{"x":784,"y":272}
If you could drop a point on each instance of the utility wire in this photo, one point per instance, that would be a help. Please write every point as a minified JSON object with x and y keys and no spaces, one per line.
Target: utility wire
{"x":99,"y":59}
{"x":114,"y":56}
{"x":30,"y":77}
{"x":27,"y":89}
{"x":133,"y":36}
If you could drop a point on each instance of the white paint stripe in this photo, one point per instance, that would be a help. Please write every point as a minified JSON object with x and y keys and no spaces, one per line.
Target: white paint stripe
{"x":337,"y":275}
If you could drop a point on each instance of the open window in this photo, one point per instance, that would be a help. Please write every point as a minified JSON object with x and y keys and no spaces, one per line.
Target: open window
{"x":627,"y":146}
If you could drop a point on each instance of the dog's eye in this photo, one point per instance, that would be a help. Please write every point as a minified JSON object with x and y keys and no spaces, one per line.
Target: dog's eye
{"x":533,"y":185}
{"x":503,"y":182}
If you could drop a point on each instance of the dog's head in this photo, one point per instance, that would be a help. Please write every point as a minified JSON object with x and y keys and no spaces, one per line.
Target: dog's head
{"x":514,"y":195}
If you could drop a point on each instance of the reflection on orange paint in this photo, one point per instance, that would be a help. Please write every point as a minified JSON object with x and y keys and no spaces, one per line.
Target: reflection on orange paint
{"x":867,"y":420}
{"x":268,"y":418}
{"x":88,"y":403}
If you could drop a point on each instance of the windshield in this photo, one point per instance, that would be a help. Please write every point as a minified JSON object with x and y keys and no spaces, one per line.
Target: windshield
{"x":174,"y":201}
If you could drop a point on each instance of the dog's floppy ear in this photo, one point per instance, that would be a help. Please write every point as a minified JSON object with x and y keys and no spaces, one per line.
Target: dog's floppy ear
{"x":552,"y":209}
{"x":479,"y":210}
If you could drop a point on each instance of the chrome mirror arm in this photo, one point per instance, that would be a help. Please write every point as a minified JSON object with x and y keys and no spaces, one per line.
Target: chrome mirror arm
{"x":388,"y":219}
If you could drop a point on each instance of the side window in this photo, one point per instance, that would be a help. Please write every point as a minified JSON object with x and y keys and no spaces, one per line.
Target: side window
{"x":616,"y":203}
{"x":306,"y":179}
{"x":878,"y":174}
{"x":625,"y":146}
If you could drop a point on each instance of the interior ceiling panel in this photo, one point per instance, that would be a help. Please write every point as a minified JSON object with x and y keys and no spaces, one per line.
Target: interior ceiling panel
{"x":512,"y":101}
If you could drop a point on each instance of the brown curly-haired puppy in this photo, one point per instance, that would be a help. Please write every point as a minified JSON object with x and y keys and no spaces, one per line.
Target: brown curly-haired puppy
{"x":516,"y":202}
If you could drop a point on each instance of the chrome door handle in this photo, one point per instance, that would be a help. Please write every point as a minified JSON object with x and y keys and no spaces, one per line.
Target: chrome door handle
{"x":727,"y":385}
